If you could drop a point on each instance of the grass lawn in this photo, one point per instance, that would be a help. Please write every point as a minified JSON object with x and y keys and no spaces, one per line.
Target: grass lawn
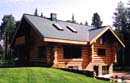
{"x":42,"y":75}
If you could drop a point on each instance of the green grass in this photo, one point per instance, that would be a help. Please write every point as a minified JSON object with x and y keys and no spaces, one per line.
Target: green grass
{"x":42,"y":75}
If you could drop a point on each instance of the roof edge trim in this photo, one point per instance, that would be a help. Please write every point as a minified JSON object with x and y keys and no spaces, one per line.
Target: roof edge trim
{"x":64,"y":41}
{"x":117,"y":38}
{"x":107,"y":28}
{"x":33,"y":26}
{"x":95,"y":38}
{"x":17,"y":28}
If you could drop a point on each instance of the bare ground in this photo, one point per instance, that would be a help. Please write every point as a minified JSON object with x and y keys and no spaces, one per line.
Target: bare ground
{"x":124,"y":74}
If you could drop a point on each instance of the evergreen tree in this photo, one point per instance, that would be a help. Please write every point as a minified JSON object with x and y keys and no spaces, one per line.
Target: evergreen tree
{"x":41,"y":14}
{"x":73,"y":19}
{"x":120,"y":17}
{"x":96,"y":21}
{"x":86,"y":23}
{"x":81,"y":23}
{"x":8,"y":23}
{"x":122,"y":24}
{"x":36,"y":12}
{"x":8,"y":26}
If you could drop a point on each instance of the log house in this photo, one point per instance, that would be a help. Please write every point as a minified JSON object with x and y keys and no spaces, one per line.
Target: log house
{"x":42,"y":41}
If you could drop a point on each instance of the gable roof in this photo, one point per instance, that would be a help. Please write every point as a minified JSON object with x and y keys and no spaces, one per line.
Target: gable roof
{"x":83,"y":34}
{"x":100,"y":32}
{"x":94,"y":32}
{"x":45,"y":27}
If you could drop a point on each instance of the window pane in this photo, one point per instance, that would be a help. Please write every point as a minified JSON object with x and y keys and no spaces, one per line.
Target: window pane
{"x":72,"y":29}
{"x":102,"y":40}
{"x":57,"y":26}
{"x":105,"y":69}
{"x":101,"y":52}
{"x":72,"y":52}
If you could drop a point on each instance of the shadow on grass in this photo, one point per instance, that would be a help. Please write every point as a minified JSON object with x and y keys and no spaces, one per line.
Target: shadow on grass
{"x":84,"y":72}
{"x":21,"y":66}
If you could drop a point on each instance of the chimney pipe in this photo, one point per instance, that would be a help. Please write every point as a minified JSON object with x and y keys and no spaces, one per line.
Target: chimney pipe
{"x":53,"y":16}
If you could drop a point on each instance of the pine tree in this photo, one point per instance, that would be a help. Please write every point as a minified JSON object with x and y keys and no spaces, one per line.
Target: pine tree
{"x":41,"y":14}
{"x":73,"y":19}
{"x":86,"y":23}
{"x":8,"y":26}
{"x":36,"y":12}
{"x":120,"y":17}
{"x":121,"y":22}
{"x":96,"y":21}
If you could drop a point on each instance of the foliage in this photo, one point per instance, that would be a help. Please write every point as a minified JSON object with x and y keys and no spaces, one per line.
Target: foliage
{"x":8,"y":23}
{"x":86,"y":23}
{"x":1,"y":60}
{"x":96,"y":21}
{"x":119,"y":33}
{"x":41,"y":14}
{"x":8,"y":26}
{"x":36,"y":12}
{"x":43,"y":75}
{"x":122,"y":24}
{"x":120,"y":17}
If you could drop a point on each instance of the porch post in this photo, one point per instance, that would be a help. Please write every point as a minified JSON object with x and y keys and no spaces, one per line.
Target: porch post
{"x":55,"y":56}
{"x":111,"y":69}
{"x":100,"y":70}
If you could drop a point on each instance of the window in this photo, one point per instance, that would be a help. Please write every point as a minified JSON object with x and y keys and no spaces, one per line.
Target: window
{"x":101,"y":52}
{"x":102,"y":40}
{"x":42,"y":51}
{"x":105,"y":69}
{"x":72,"y":29}
{"x":57,"y":26}
{"x":72,"y":52}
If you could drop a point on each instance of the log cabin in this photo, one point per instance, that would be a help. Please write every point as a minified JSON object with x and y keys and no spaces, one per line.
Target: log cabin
{"x":43,"y":41}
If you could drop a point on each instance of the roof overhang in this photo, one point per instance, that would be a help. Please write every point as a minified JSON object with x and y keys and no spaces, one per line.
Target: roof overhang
{"x":106,"y":29}
{"x":65,"y":41}
{"x":18,"y":27}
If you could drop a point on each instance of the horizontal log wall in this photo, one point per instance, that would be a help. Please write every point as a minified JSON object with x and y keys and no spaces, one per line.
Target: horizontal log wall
{"x":80,"y":63}
{"x":107,"y":59}
{"x":88,"y":59}
{"x":34,"y":53}
{"x":110,"y":52}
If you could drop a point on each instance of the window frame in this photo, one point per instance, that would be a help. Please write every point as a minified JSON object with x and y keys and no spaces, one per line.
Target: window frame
{"x":101,"y":51}
{"x":102,"y":40}
{"x":72,"y":52}
{"x":105,"y":69}
{"x":71,"y":29}
{"x":57,"y":26}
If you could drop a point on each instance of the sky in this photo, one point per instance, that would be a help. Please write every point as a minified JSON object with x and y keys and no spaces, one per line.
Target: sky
{"x":82,"y":9}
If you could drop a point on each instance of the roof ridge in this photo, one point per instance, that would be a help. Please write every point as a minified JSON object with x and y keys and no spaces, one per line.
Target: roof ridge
{"x":97,"y":28}
{"x":58,"y":20}
{"x":32,"y":15}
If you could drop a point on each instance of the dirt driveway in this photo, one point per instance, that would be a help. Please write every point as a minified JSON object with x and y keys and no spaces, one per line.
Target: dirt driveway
{"x":125,"y":75}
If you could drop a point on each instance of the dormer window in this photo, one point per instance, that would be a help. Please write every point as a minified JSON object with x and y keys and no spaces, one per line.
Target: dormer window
{"x":57,"y":26}
{"x":72,"y":29}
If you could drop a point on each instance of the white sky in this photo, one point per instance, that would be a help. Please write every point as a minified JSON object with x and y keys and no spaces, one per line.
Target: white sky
{"x":83,"y":9}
